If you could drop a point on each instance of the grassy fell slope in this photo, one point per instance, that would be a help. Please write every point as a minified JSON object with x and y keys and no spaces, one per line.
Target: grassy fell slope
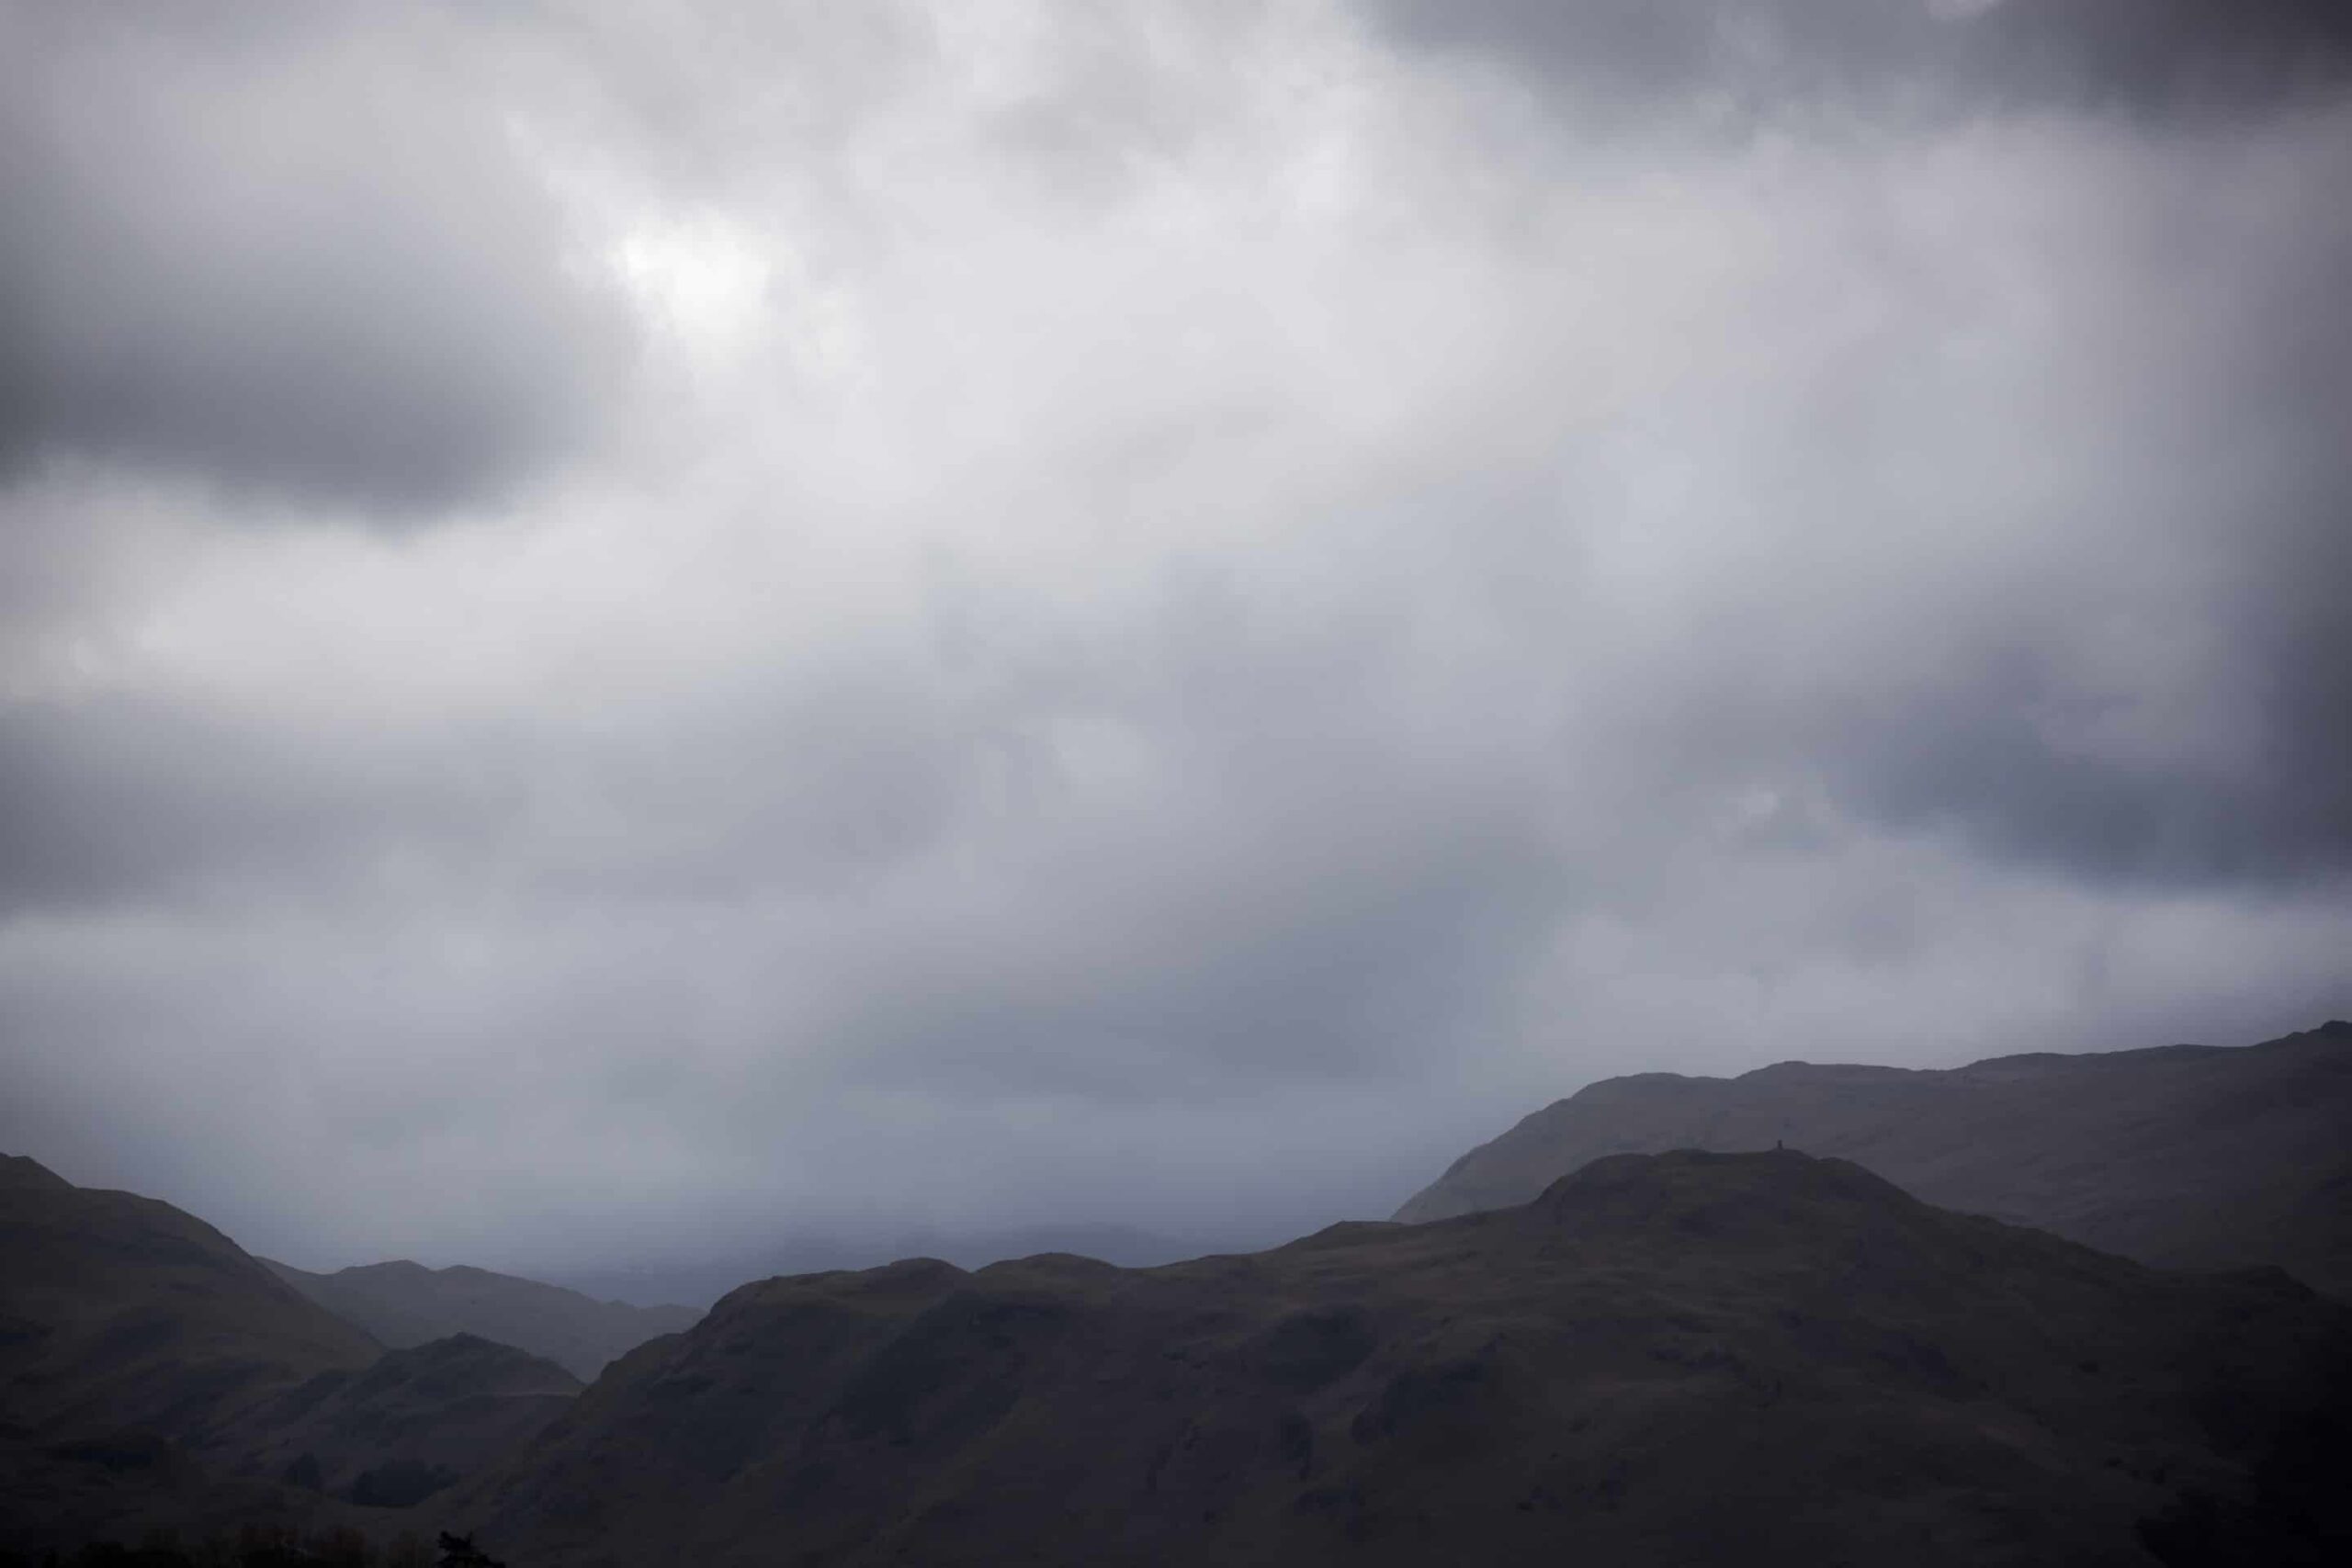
{"x":410,"y":1424}
{"x":1688,"y":1358}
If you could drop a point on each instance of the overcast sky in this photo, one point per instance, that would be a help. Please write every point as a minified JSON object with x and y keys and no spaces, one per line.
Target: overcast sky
{"x":633,"y":627}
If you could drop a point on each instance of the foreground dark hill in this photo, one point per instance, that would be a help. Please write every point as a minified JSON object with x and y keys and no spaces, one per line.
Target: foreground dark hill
{"x":153,"y":1374}
{"x":1762,"y":1358}
{"x":2186,"y":1155}
{"x":415,"y":1421}
{"x":406,"y":1303}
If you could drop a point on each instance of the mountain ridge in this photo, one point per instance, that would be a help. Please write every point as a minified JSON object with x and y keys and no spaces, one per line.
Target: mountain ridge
{"x":405,"y":1303}
{"x":2183,"y":1154}
{"x":1687,"y":1357}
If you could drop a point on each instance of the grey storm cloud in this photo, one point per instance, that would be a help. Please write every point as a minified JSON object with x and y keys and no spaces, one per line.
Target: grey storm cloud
{"x":2223,"y":424}
{"x":2045,"y":740}
{"x":2170,"y":708}
{"x":2015,"y":756}
{"x":245,"y":247}
{"x":2164,"y":59}
{"x":1153,"y":616}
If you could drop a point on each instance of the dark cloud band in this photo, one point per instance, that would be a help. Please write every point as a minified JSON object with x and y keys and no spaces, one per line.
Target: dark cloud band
{"x":1630,"y":60}
{"x":232,"y":255}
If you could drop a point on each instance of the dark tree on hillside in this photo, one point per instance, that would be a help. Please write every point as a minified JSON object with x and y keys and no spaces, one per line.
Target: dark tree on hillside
{"x":459,"y":1552}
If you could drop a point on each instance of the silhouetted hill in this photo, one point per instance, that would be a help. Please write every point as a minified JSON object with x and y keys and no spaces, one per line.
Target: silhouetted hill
{"x":18,"y":1171}
{"x":121,"y":1311}
{"x":406,"y":1303}
{"x":1692,"y":1357}
{"x":135,"y":1343}
{"x":2185,"y":1155}
{"x":154,"y":1374}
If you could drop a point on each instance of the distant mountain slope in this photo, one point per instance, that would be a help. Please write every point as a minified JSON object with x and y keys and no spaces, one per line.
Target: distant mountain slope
{"x":406,"y":1303}
{"x":2184,"y":1155}
{"x":1759,"y":1359}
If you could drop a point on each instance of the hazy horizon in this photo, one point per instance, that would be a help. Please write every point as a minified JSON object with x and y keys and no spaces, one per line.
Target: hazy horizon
{"x":629,"y":634}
